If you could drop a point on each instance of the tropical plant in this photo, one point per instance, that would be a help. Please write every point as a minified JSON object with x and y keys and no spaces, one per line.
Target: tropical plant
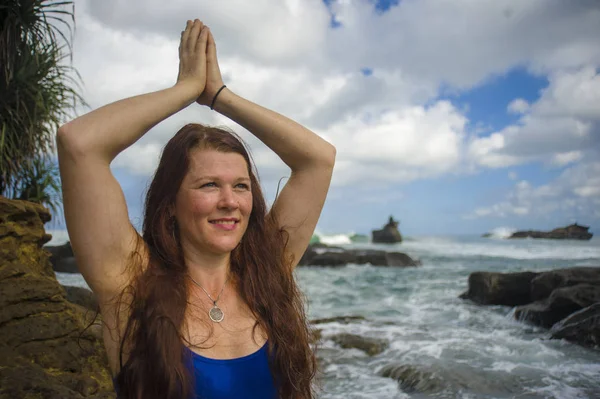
{"x":38,"y":92}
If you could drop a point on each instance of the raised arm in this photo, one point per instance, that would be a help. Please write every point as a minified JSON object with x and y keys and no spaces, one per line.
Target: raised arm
{"x":95,"y":210}
{"x":310,"y":158}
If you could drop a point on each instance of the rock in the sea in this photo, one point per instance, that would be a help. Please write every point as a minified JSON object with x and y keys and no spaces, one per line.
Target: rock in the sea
{"x":62,"y":258}
{"x":414,"y":379}
{"x":561,"y":303}
{"x":322,"y":255}
{"x":45,"y":351}
{"x":389,"y":234}
{"x":546,"y":282}
{"x":546,"y":299}
{"x":338,"y":319}
{"x":450,"y":380}
{"x":582,"y":327}
{"x":371,"y":346}
{"x":82,"y":297}
{"x":571,"y":232}
{"x":491,"y":288}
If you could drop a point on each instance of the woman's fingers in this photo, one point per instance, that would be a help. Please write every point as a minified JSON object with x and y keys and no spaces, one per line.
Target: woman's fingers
{"x":194,"y":34}
{"x":185,"y":36}
{"x":202,"y":40}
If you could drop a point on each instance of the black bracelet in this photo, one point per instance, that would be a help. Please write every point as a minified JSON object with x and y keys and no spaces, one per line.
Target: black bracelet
{"x":215,"y":97}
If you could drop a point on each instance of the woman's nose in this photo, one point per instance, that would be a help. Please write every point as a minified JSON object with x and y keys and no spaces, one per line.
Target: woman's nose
{"x":228,"y":199}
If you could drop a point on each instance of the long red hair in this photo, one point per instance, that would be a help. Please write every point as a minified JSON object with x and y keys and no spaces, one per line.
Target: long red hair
{"x":157,"y":365}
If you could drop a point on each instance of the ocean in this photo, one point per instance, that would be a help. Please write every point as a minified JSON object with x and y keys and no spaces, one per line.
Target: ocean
{"x":475,"y":351}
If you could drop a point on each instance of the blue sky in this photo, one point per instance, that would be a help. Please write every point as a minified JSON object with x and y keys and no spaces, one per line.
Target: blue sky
{"x":456,"y":117}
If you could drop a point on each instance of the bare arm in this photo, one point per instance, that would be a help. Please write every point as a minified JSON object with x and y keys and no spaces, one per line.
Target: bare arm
{"x":95,"y":210}
{"x":310,"y":158}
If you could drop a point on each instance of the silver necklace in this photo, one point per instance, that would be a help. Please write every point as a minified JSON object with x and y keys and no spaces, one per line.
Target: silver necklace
{"x":215,"y":313}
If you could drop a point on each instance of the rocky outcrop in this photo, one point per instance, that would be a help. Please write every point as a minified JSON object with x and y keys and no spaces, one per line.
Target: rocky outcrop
{"x":447,"y":380}
{"x":371,"y":346}
{"x":546,"y":299}
{"x":46,"y":350}
{"x":62,"y":258}
{"x":572,"y":232}
{"x":509,"y":289}
{"x":323,"y":255}
{"x":389,"y":234}
{"x":582,"y":326}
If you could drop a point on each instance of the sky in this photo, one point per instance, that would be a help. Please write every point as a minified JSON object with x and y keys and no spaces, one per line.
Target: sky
{"x":454,"y":116}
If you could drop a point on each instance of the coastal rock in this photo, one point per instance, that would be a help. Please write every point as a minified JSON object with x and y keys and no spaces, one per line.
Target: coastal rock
{"x":546,"y":282}
{"x":338,"y":319}
{"x":561,"y":303}
{"x":325,"y":256}
{"x":371,"y":346}
{"x":491,"y":288}
{"x":389,"y":234}
{"x":62,"y":258}
{"x":546,"y":299}
{"x":82,"y":297}
{"x":447,"y":381}
{"x":45,"y":351}
{"x":571,"y":232}
{"x":582,"y":327}
{"x":414,"y":379}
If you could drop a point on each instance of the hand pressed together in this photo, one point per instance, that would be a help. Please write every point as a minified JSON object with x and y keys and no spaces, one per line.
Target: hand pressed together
{"x":192,"y":57}
{"x":198,"y":65}
{"x":214,"y":81}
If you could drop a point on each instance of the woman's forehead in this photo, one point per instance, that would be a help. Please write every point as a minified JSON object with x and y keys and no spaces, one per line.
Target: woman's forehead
{"x":205,"y":162}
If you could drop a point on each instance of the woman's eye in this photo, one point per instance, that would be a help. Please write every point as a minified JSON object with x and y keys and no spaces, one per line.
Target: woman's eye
{"x":243,"y":186}
{"x":211,"y":184}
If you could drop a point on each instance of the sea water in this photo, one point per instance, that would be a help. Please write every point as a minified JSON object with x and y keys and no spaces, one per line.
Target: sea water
{"x":479,"y":351}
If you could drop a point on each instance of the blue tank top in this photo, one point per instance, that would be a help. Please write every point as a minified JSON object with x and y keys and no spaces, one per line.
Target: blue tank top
{"x":247,"y":377}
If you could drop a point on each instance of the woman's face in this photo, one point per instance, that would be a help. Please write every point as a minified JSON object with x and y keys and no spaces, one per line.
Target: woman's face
{"x":214,"y":201}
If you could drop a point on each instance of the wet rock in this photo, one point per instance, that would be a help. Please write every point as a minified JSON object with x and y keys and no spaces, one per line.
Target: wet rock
{"x":414,"y":379}
{"x":490,"y":288}
{"x":371,"y":346}
{"x":544,"y":283}
{"x":82,"y":297}
{"x":582,"y":327}
{"x":389,"y":234}
{"x":561,"y":303}
{"x":338,"y":319}
{"x":543,"y":299}
{"x":449,"y":380}
{"x":325,"y":256}
{"x":571,"y":232}
{"x":45,"y":351}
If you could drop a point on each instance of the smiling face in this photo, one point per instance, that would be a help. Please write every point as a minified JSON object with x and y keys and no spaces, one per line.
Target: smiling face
{"x":214,"y":201}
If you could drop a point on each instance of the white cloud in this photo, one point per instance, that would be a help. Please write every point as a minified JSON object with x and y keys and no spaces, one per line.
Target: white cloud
{"x":557,"y":129}
{"x":518,"y":106}
{"x":575,"y":192}
{"x":388,"y":126}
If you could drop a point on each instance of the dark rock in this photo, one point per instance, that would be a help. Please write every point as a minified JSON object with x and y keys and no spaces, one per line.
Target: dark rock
{"x":582,"y":327}
{"x":333,"y":259}
{"x":389,"y":234}
{"x":82,"y":297}
{"x":414,"y":379}
{"x":490,"y":288}
{"x":561,"y":303}
{"x":546,"y":282}
{"x":453,"y":380}
{"x":326,"y":256}
{"x":338,"y":319}
{"x":371,"y":346}
{"x":572,"y":232}
{"x":45,"y":351}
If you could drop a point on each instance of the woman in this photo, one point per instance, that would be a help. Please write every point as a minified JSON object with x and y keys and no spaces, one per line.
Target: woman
{"x":204,"y":303}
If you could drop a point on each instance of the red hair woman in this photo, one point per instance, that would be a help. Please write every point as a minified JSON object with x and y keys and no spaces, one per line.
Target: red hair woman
{"x":202,"y":304}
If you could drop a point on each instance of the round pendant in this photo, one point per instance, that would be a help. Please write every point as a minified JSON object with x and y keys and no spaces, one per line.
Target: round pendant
{"x":216,"y":314}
